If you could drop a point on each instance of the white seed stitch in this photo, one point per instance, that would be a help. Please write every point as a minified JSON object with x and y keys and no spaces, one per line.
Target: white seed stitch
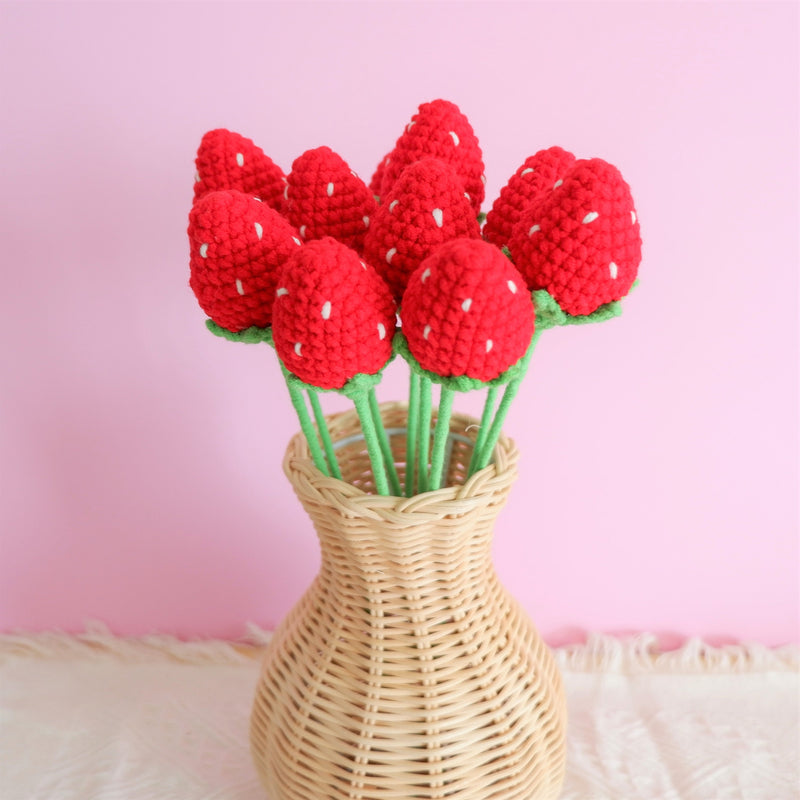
{"x":286,"y":192}
{"x":363,"y":264}
{"x":526,"y":170}
{"x":466,"y":194}
{"x":297,"y":348}
{"x":330,"y":190}
{"x":438,"y":216}
{"x":258,"y":199}
{"x":353,"y":173}
{"x":590,"y":217}
{"x":411,"y":125}
{"x":613,"y":269}
{"x":512,"y":287}
{"x":392,"y":205}
{"x":489,"y":345}
{"x":534,"y":229}
{"x":426,"y":332}
{"x":456,"y":140}
{"x":196,"y":176}
{"x":426,"y":274}
{"x":387,"y":162}
{"x":203,"y":250}
{"x":297,"y":241}
{"x":381,"y":330}
{"x":240,"y":159}
{"x":466,"y":304}
{"x":483,"y":179}
{"x":557,"y":184}
{"x":239,"y":287}
{"x":259,"y":230}
{"x":633,"y":217}
{"x":282,"y":291}
{"x":390,"y":255}
{"x":303,"y":231}
{"x":326,"y":310}
{"x":366,"y":222}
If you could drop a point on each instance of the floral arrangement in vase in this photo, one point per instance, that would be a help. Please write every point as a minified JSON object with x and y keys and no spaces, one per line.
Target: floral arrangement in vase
{"x":340,"y":276}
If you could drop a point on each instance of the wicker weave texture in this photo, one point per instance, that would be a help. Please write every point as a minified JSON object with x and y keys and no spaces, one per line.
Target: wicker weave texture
{"x":407,"y":670}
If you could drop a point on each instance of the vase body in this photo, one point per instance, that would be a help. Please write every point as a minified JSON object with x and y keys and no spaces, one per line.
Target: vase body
{"x":407,"y":670}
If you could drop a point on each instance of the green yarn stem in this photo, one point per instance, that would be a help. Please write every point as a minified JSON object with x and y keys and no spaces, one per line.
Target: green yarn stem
{"x":361,"y":401}
{"x":485,"y":453}
{"x":324,"y":434}
{"x":440,"y":436}
{"x":411,"y":432}
{"x":489,"y":443}
{"x":483,"y":430}
{"x":424,"y":432}
{"x":386,"y":447}
{"x":306,"y":425}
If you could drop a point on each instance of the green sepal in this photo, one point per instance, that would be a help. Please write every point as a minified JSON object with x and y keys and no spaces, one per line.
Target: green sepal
{"x":462,"y":383}
{"x":550,"y":315}
{"x":358,"y":385}
{"x":481,"y":218}
{"x":252,"y":335}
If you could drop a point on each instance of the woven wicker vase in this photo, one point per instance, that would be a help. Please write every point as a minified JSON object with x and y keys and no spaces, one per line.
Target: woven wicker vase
{"x":406,"y":670}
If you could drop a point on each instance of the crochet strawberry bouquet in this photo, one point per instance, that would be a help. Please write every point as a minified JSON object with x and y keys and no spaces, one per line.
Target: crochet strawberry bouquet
{"x":340,"y":276}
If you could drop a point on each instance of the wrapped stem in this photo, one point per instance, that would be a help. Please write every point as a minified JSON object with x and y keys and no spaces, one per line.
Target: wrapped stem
{"x":424,"y":431}
{"x":483,"y":431}
{"x":411,"y":432}
{"x":324,"y":433}
{"x":440,"y":436}
{"x":364,"y":412}
{"x":385,"y":445}
{"x":306,"y":425}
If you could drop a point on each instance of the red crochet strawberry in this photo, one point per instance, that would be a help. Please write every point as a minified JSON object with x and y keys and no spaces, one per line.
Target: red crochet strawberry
{"x":226,"y":160}
{"x":237,"y":245}
{"x":466,"y":311}
{"x":334,"y":317}
{"x":581,"y":242}
{"x":536,"y":176}
{"x":425,"y":208}
{"x":326,"y":198}
{"x":439,"y":130}
{"x":377,"y":176}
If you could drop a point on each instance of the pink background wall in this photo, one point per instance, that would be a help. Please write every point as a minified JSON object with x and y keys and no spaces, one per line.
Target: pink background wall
{"x":140,"y":457}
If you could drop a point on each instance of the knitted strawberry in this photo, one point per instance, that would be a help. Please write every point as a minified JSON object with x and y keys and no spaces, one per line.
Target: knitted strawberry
{"x":377,"y":177}
{"x":425,"y":208}
{"x":237,"y":245}
{"x":226,"y":160}
{"x":535,"y":177}
{"x":334,"y":317}
{"x":438,"y":130}
{"x":466,"y":312}
{"x":581,"y":241}
{"x":326,"y":198}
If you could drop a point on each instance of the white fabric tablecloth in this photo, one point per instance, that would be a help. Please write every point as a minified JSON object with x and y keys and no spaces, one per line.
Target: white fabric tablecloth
{"x":98,"y":718}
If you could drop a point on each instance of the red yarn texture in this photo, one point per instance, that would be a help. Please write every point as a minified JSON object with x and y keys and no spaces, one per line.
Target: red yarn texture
{"x":438,"y":130}
{"x":426,"y":208}
{"x":226,"y":160}
{"x":326,"y":198}
{"x":237,"y":245}
{"x":581,"y":242}
{"x":466,"y":311}
{"x":334,"y":317}
{"x":535,"y":177}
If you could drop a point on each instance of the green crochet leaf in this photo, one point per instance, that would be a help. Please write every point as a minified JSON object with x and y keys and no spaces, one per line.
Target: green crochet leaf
{"x":358,"y":385}
{"x":251,"y":335}
{"x":463,"y":383}
{"x":550,"y":315}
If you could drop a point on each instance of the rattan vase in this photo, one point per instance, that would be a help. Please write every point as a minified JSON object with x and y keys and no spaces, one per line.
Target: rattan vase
{"x":406,"y":670}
